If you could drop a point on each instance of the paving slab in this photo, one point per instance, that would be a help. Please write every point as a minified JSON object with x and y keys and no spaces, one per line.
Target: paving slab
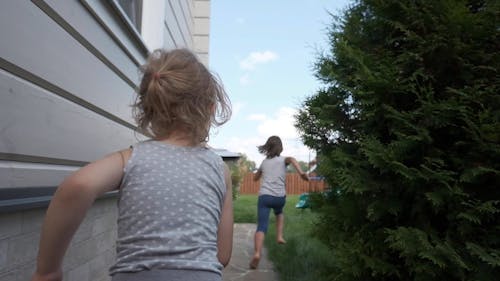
{"x":238,"y":268}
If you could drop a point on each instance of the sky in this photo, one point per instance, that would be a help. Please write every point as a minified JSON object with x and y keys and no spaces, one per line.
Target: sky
{"x":264,"y":52}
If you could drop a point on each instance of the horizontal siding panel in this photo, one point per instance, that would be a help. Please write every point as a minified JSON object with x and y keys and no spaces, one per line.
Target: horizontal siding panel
{"x":38,"y":123}
{"x":201,"y":43}
{"x":79,"y":17}
{"x":173,"y":26}
{"x":182,"y":21}
{"x":187,"y":7}
{"x":19,"y":174}
{"x":201,"y":26}
{"x":168,"y":39}
{"x":201,"y":8}
{"x":43,"y":48}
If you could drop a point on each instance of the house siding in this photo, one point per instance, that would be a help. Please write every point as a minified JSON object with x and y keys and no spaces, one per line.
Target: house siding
{"x":201,"y":23}
{"x":68,"y":70}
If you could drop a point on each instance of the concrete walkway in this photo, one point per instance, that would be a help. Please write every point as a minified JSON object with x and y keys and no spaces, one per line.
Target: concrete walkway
{"x":238,"y":268}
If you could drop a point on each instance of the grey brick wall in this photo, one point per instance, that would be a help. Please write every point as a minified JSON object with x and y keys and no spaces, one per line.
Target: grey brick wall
{"x":88,"y":258}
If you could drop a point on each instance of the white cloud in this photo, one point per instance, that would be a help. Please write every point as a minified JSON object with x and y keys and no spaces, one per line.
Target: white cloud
{"x":248,"y":146}
{"x":256,"y":58}
{"x":260,"y":127}
{"x":281,"y":124}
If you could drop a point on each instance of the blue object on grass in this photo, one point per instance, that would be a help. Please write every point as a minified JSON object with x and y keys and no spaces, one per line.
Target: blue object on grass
{"x":303,"y":201}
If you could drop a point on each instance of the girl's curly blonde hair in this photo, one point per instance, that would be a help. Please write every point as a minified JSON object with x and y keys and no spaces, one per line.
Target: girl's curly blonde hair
{"x":178,"y":93}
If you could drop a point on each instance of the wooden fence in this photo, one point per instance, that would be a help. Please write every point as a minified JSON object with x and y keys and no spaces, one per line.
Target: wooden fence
{"x":294,"y":184}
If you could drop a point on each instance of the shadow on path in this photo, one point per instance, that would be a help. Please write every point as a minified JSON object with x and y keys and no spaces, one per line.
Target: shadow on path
{"x":238,"y":268}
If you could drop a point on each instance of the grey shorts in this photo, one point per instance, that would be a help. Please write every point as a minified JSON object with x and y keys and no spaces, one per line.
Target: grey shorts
{"x":168,"y":275}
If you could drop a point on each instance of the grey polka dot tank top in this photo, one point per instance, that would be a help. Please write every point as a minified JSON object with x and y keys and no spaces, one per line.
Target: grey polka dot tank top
{"x":169,"y":208}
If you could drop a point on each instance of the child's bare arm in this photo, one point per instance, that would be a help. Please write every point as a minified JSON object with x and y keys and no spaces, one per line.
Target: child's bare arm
{"x":257,"y":175}
{"x":296,"y":165}
{"x":68,"y":207}
{"x":225,"y":231}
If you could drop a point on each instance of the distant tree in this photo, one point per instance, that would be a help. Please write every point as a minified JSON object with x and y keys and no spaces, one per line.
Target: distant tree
{"x":235,"y":177}
{"x":407,"y":129}
{"x":303,"y":165}
{"x":245,"y":164}
{"x":238,"y":170}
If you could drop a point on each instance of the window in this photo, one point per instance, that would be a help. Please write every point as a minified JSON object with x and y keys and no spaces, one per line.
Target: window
{"x":133,"y":11}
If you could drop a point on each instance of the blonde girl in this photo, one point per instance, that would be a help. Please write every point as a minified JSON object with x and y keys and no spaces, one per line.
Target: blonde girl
{"x":175,"y":219}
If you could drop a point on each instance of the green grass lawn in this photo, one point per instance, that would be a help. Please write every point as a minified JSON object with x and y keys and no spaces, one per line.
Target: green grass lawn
{"x":302,"y":257}
{"x":245,"y":209}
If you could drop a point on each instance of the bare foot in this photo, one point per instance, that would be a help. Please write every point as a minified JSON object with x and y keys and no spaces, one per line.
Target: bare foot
{"x":281,"y":241}
{"x":254,"y":262}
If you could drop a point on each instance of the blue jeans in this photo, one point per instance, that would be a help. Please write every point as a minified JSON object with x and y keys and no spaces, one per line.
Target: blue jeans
{"x":264,"y":206}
